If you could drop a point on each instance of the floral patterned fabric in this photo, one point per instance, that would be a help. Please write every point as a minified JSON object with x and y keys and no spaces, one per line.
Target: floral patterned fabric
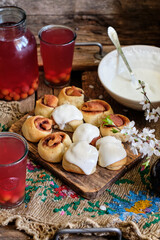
{"x":50,"y":203}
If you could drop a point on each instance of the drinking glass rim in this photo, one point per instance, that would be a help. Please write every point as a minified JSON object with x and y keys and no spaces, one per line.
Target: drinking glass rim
{"x":19,"y":137}
{"x":56,"y":26}
{"x":19,"y":22}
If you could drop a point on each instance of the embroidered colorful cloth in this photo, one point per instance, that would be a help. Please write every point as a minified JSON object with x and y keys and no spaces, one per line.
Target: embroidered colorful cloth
{"x":129,"y":204}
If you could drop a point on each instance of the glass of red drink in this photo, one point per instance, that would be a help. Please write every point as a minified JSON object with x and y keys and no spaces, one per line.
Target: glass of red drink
{"x":13,"y":160}
{"x":18,"y":56}
{"x":57,"y":48}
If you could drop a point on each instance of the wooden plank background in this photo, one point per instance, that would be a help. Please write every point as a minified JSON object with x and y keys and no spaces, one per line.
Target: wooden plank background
{"x":136,"y":21}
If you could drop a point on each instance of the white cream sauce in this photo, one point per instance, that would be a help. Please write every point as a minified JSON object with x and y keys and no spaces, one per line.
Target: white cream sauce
{"x":122,"y":85}
{"x":110,"y":153}
{"x":111,"y":150}
{"x":85,"y":132}
{"x":83,"y":155}
{"x":107,"y":139}
{"x":65,"y":113}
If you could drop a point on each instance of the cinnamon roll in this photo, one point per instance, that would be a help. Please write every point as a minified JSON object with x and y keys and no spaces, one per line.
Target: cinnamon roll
{"x":45,"y":105}
{"x":86,"y":132}
{"x":71,"y":95}
{"x":81,"y":158}
{"x":67,"y":117}
{"x":119,"y":121}
{"x":112,"y":154}
{"x":36,"y":127}
{"x":95,"y":110}
{"x":52,"y":147}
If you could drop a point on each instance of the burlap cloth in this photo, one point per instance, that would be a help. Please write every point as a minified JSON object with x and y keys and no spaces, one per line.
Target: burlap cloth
{"x":128,"y":204}
{"x":12,"y":111}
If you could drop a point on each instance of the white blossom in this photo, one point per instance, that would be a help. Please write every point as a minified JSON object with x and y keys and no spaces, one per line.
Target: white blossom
{"x":143,"y":142}
{"x":147,"y":149}
{"x":157,"y":152}
{"x":134,"y":150}
{"x":148,"y":115}
{"x":147,"y":133}
{"x":155,"y":115}
{"x":146,"y":105}
{"x":129,"y":129}
{"x":158,"y":110}
{"x":136,"y":145}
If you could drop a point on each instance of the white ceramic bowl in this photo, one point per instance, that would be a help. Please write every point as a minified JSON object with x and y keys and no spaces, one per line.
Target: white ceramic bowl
{"x":139,"y":57}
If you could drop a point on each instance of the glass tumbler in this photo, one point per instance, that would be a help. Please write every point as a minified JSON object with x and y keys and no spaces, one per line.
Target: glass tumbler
{"x":18,"y":56}
{"x":57,"y":47}
{"x":13,"y":160}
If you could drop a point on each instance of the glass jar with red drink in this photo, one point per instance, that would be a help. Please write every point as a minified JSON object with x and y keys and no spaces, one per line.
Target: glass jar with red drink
{"x":13,"y":161}
{"x":18,"y":56}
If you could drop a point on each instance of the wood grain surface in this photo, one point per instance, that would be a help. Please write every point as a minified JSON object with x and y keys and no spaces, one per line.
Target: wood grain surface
{"x":137,"y":22}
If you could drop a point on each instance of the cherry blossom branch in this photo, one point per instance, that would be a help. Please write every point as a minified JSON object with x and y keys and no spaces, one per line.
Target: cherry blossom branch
{"x":153,"y":114}
{"x":143,"y":142}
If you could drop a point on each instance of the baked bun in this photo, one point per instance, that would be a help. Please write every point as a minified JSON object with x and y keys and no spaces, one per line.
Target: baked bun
{"x":112,"y":154}
{"x":36,"y":127}
{"x":86,"y":132}
{"x":71,"y":95}
{"x":81,"y":158}
{"x":95,"y":110}
{"x":45,"y":105}
{"x":52,"y":147}
{"x":110,"y":130}
{"x":67,"y":117}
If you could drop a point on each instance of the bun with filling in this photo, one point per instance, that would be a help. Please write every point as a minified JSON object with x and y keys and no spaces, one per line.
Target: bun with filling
{"x":45,"y":105}
{"x":67,"y":117}
{"x":119,"y":121}
{"x":52,"y":147}
{"x":81,"y":158}
{"x":71,"y":95}
{"x":112,"y":154}
{"x":36,"y":127}
{"x":95,"y":110}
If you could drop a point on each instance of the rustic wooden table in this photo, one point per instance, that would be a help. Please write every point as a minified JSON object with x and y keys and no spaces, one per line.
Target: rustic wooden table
{"x":137,"y":22}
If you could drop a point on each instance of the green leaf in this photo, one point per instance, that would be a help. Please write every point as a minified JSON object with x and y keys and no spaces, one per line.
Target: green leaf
{"x":146,"y":164}
{"x":107,"y":121}
{"x":115,"y":130}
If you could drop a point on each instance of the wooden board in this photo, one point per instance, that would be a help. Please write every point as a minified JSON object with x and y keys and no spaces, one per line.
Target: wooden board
{"x":87,"y":186}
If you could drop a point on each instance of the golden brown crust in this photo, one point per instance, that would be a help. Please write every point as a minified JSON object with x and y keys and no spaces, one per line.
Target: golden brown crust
{"x":36,"y":127}
{"x":45,"y":105}
{"x":50,"y":101}
{"x":72,"y":125}
{"x":95,"y":110}
{"x":107,"y":130}
{"x":117,"y":165}
{"x":52,"y":147}
{"x":72,"y":95}
{"x":70,"y":167}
